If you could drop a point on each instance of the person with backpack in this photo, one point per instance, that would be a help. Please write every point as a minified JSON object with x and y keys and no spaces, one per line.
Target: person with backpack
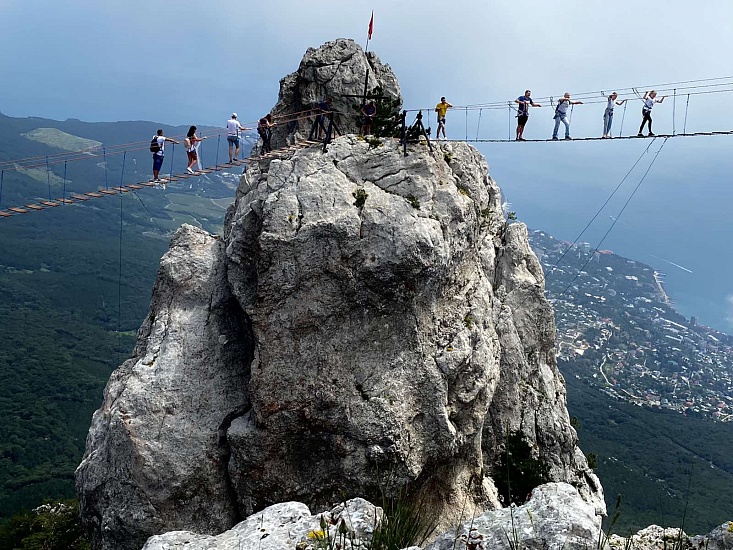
{"x":649,"y":100}
{"x":191,"y":145}
{"x":264,"y":129}
{"x":525,"y":102}
{"x":561,"y":115}
{"x":233,"y":130}
{"x":608,"y":113}
{"x":441,"y":108}
{"x":157,"y":147}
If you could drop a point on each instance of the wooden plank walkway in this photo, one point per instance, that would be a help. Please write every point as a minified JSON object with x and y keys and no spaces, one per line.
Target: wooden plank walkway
{"x":74,"y":198}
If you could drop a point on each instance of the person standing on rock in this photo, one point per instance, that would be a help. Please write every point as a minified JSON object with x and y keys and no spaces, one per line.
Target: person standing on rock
{"x":157,"y":147}
{"x":561,"y":115}
{"x":441,"y":108}
{"x":368,"y":112}
{"x":233,"y":130}
{"x":608,"y":113}
{"x":264,"y":129}
{"x":649,"y":100}
{"x":525,"y":102}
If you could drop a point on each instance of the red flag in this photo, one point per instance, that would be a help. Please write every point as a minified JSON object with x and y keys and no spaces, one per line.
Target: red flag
{"x":371,"y":26}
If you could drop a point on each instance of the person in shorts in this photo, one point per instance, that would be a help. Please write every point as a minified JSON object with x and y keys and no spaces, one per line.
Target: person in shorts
{"x":441,"y":108}
{"x":191,"y":148}
{"x":160,"y":139}
{"x":525,"y":102}
{"x":233,"y":130}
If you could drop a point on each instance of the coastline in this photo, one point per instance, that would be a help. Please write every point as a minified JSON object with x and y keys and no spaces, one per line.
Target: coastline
{"x":659,"y":280}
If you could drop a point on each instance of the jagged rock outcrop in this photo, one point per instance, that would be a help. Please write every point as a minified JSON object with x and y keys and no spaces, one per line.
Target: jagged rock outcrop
{"x":555,"y":517}
{"x":368,"y":321}
{"x":655,"y":537}
{"x":288,"y":525}
{"x":337,"y":69}
{"x":156,"y":455}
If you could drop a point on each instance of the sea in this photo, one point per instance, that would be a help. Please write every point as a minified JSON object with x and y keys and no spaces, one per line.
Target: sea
{"x":672,"y":213}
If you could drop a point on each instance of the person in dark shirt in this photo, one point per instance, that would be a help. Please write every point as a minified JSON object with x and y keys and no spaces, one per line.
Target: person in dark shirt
{"x":525,"y":102}
{"x":264,"y":129}
{"x":368,"y":112}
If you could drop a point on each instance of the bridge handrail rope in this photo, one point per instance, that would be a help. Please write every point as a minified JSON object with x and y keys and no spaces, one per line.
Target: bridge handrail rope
{"x":622,"y":92}
{"x":115,"y":149}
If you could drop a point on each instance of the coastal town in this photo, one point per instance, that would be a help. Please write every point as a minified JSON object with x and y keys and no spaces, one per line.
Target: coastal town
{"x":618,"y":331}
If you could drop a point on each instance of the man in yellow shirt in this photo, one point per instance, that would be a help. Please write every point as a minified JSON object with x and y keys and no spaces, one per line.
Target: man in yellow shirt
{"x":441,"y":108}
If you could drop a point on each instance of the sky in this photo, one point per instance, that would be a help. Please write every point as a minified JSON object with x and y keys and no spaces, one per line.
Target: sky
{"x":189,"y":62}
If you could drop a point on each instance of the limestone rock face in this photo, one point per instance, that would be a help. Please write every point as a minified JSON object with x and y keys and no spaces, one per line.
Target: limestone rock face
{"x":369,"y":321}
{"x":157,"y":453}
{"x":337,"y":69}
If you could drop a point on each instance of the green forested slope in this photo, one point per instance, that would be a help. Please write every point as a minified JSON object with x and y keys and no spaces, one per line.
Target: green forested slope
{"x":666,"y":466}
{"x":75,"y":284}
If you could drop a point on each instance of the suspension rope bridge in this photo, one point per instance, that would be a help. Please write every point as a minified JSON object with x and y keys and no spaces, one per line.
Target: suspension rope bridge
{"x":74,"y":198}
{"x":685,"y":88}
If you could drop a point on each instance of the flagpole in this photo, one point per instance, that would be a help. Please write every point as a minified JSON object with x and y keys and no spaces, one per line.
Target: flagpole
{"x":369,"y":32}
{"x":366,"y":49}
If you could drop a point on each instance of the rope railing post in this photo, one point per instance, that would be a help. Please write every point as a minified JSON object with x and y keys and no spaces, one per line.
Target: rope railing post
{"x":64,"y":193}
{"x":479,"y":122}
{"x":623,"y":116}
{"x":106,"y":177}
{"x":466,"y":111}
{"x":509,"y":126}
{"x":404,"y":133}
{"x":122,"y":175}
{"x":48,"y":177}
{"x":218,"y":146}
{"x":674,"y":109}
{"x":684,"y":129}
{"x":173,"y":154}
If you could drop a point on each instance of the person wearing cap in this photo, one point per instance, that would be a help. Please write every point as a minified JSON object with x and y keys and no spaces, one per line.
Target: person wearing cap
{"x":233,"y":129}
{"x":441,"y":108}
{"x":561,"y":115}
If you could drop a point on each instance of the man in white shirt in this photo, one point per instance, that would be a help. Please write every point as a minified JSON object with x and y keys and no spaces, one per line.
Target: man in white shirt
{"x":233,"y":130}
{"x":157,"y":147}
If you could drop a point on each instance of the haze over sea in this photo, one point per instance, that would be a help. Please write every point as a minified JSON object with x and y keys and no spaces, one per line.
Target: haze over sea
{"x":681,"y":212}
